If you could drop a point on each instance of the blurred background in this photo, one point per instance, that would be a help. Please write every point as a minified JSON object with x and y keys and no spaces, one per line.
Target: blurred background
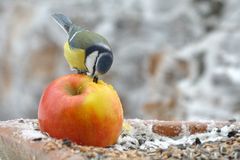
{"x":173,"y":59}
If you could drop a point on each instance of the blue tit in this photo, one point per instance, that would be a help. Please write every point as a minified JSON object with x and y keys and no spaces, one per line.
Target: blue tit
{"x":86,"y":51}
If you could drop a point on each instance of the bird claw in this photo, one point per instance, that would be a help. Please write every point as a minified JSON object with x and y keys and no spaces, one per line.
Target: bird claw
{"x":80,"y":71}
{"x":95,"y":79}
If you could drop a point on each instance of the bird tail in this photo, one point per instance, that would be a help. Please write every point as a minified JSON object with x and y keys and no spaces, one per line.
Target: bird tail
{"x":64,"y":22}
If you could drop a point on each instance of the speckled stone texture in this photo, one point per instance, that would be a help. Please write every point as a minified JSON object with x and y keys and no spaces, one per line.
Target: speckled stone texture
{"x":21,"y":139}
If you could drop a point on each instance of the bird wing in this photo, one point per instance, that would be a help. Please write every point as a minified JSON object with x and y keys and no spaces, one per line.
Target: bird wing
{"x":84,"y":39}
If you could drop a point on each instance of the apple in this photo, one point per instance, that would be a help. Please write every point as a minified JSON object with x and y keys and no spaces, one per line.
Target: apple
{"x":76,"y":108}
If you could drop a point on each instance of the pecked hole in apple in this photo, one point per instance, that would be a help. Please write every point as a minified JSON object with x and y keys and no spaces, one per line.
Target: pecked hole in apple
{"x":73,"y":91}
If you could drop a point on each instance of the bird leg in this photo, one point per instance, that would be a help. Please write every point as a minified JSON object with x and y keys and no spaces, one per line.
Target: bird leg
{"x":95,"y":79}
{"x":81,"y":71}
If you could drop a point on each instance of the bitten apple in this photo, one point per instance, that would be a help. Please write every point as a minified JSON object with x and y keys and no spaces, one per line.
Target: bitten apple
{"x":76,"y":108}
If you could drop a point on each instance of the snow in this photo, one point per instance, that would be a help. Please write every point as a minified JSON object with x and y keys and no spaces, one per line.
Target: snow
{"x":136,"y":134}
{"x":153,"y":141}
{"x":26,"y":128}
{"x":31,"y":134}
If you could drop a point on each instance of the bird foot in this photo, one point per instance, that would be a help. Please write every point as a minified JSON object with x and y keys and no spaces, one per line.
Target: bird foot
{"x":95,"y":79}
{"x":80,"y":71}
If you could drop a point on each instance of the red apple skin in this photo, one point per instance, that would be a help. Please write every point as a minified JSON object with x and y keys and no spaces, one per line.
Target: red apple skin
{"x":76,"y":108}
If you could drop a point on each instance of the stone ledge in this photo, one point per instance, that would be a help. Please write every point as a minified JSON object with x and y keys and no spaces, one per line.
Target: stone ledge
{"x":21,"y":139}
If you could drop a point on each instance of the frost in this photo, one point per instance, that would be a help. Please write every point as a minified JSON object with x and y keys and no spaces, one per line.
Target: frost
{"x":26,"y":128}
{"x":32,"y":134}
{"x":151,"y":141}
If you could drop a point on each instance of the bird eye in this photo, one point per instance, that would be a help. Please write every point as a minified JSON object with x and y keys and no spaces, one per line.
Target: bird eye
{"x":104,"y":62}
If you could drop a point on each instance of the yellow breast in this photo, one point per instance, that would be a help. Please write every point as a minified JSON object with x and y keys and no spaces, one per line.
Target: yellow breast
{"x":75,"y":57}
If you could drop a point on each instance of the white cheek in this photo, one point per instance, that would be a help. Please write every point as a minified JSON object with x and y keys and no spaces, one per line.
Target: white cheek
{"x":90,"y":61}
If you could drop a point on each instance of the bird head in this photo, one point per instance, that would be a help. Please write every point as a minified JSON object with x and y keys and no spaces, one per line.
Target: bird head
{"x":99,"y":59}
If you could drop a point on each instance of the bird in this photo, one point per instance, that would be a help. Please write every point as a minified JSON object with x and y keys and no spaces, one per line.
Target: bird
{"x":85,"y":51}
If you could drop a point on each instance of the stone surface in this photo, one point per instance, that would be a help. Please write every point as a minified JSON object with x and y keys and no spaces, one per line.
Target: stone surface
{"x":21,"y":139}
{"x":173,"y":59}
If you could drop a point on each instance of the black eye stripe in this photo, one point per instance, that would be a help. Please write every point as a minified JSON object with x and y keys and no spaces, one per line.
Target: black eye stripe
{"x":98,"y":48}
{"x":94,"y":67}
